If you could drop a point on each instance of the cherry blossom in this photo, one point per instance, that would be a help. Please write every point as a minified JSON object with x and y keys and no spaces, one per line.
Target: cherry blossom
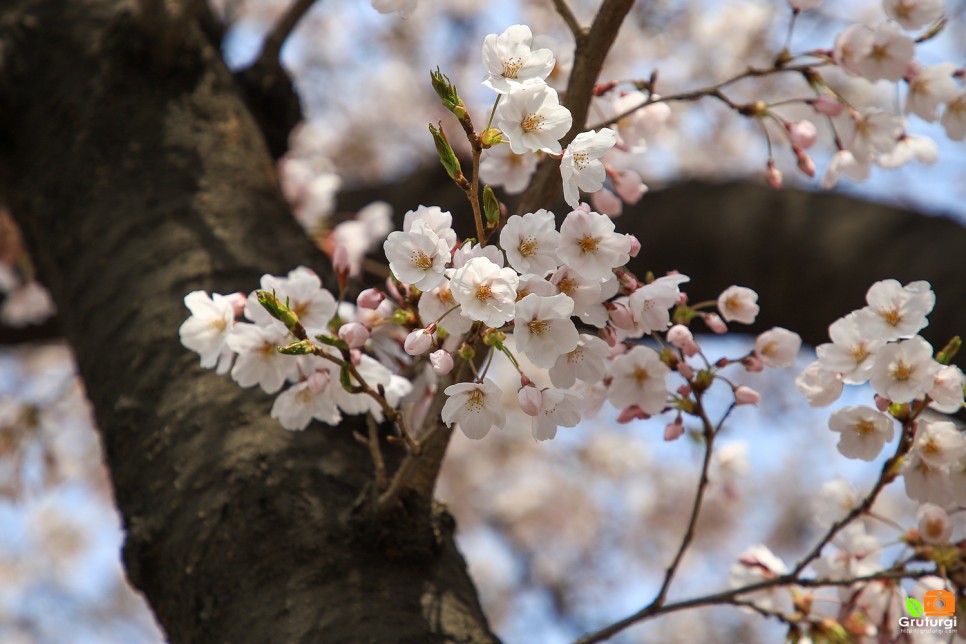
{"x":863,"y":431}
{"x":417,"y":257}
{"x":581,"y":168}
{"x":939,"y":442}
{"x":295,"y":407}
{"x":558,"y":408}
{"x":532,"y":119}
{"x":820,"y":386}
{"x":638,"y":379}
{"x":501,"y":167}
{"x":929,"y":88}
{"x":543,"y":329}
{"x":476,"y":407}
{"x":258,"y":361}
{"x":947,"y":390}
{"x":954,"y":117}
{"x":904,"y":371}
{"x":585,"y":362}
{"x":895,"y":311}
{"x":206,"y":330}
{"x":934,"y":525}
{"x":484,"y":291}
{"x":510,"y":62}
{"x":436,"y":219}
{"x":850,"y":353}
{"x":738,"y":304}
{"x":778,"y":347}
{"x":530,"y":242}
{"x":589,"y":245}
{"x":913,"y":14}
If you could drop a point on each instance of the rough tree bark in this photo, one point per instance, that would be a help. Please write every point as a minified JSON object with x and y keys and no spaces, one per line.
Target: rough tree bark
{"x":138,"y":174}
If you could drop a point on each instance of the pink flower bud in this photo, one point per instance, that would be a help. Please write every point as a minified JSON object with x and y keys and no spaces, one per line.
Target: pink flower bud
{"x":418,"y":342}
{"x":530,"y":399}
{"x":442,"y":362}
{"x":802,"y":133}
{"x":318,"y":382}
{"x":237,"y":301}
{"x":353,"y":334}
{"x":635,"y":246}
{"x":621,"y":316}
{"x":370,"y":298}
{"x":827,"y":106}
{"x":684,"y":391}
{"x":685,"y":369}
{"x":753,"y":364}
{"x":715,"y":323}
{"x":355,"y":356}
{"x":631,"y":413}
{"x":609,"y":335}
{"x":392,"y":290}
{"x":606,"y":202}
{"x":882,"y":403}
{"x":746,"y":396}
{"x":340,"y":260}
{"x":773,"y":176}
{"x":805,"y":163}
{"x":679,"y":335}
{"x":674,"y":431}
{"x":584,"y":206}
{"x":628,"y":185}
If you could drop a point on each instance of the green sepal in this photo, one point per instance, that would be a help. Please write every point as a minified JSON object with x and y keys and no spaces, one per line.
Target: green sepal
{"x":447,"y":93}
{"x":446,"y":155}
{"x":300,"y":348}
{"x":281,"y":312}
{"x":491,"y":207}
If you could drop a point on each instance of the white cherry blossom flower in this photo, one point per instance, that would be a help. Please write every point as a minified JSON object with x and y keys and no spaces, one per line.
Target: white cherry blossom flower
{"x":581,"y":168}
{"x":939,"y":442}
{"x":820,"y":386}
{"x":468,"y":251}
{"x":863,"y":431}
{"x":586,"y":293}
{"x":510,"y":62}
{"x":874,"y":53}
{"x":850,"y":352}
{"x":558,"y":408}
{"x":652,"y":302}
{"x":757,"y":564}
{"x":909,"y":148}
{"x":530,"y":283}
{"x":954,"y":117}
{"x":477,"y":407}
{"x":778,"y":347}
{"x":947,"y":389}
{"x":484,"y":291}
{"x":417,"y":256}
{"x":542,"y":328}
{"x":530,"y":242}
{"x":895,"y":311}
{"x":438,"y":306}
{"x":929,"y":88}
{"x":638,"y":379}
{"x":934,"y":524}
{"x":587,"y":362}
{"x":589,"y":245}
{"x":738,"y":304}
{"x":926,"y":483}
{"x":295,"y":407}
{"x":533,"y":119}
{"x":206,"y":330}
{"x":501,"y":167}
{"x":872,"y":133}
{"x":438,"y":220}
{"x":913,"y":14}
{"x":904,"y":371}
{"x":259,"y":362}
{"x":844,"y":163}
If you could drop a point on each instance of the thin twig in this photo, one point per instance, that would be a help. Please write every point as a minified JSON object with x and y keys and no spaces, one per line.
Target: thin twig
{"x":377,"y":462}
{"x":568,"y":17}
{"x":282,"y":30}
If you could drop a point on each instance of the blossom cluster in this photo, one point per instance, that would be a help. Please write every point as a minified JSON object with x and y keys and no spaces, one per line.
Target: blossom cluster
{"x":879,"y":344}
{"x":530,"y":117}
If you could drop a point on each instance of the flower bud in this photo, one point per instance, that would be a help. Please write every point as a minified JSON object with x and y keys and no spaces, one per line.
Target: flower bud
{"x":370,"y":298}
{"x":773,"y":176}
{"x":237,"y":301}
{"x":827,"y":106}
{"x":606,"y":202}
{"x":715,"y":323}
{"x":802,"y":133}
{"x":674,"y":431}
{"x":753,"y":364}
{"x":746,"y":396}
{"x":805,"y":163}
{"x":631,"y":413}
{"x":635,"y":246}
{"x":685,"y":369}
{"x":442,"y":362}
{"x":621,"y":316}
{"x":530,"y":399}
{"x":934,"y":525}
{"x":491,"y":137}
{"x":353,"y":334}
{"x":418,"y":342}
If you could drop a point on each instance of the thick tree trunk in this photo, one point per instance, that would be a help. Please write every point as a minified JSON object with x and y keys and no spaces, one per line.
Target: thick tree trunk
{"x":138,"y":175}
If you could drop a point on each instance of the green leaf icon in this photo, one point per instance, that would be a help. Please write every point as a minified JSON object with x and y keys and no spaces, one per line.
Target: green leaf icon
{"x":914,"y":607}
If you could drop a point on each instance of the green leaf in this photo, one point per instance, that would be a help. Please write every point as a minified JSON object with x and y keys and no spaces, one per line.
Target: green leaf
{"x":914,"y":606}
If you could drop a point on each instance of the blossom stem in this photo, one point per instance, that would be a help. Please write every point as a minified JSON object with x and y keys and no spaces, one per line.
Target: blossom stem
{"x":496,"y":104}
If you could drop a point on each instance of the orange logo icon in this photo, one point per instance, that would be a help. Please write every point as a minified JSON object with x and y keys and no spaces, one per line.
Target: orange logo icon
{"x":939,"y":603}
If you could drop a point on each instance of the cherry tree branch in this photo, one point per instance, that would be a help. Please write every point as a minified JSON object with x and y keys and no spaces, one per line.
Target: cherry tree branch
{"x":592,"y":48}
{"x":282,"y":30}
{"x":567,"y":14}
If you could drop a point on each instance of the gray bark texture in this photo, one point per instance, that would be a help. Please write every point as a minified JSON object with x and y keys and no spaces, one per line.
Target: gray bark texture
{"x":137,"y":175}
{"x":139,"y":172}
